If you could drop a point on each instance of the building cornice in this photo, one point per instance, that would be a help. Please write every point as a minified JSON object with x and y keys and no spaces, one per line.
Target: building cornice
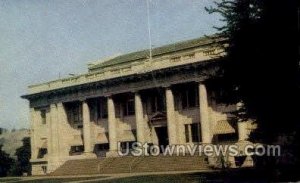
{"x":186,"y":56}
{"x":134,"y":82}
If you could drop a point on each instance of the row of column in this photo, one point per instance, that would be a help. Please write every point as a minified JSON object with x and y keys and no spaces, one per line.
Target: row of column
{"x":206,"y":131}
{"x":171,"y":119}
{"x":112,"y":126}
{"x":140,"y":128}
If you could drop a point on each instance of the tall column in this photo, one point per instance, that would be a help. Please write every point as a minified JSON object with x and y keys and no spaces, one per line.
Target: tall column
{"x":171,"y":120}
{"x":112,"y":125}
{"x":204,"y":115}
{"x":86,"y":128}
{"x":33,"y":118}
{"x":53,"y":160}
{"x":242,"y":130}
{"x":54,"y":140}
{"x":62,"y":125}
{"x":242,"y":125}
{"x":140,"y":128}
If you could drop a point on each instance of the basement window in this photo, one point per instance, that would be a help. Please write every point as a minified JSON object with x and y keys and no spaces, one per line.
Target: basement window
{"x":127,"y":145}
{"x":42,"y":152}
{"x":102,"y":147}
{"x":75,"y":150}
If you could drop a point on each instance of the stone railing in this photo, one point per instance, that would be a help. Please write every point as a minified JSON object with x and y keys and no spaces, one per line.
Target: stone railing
{"x":137,"y":67}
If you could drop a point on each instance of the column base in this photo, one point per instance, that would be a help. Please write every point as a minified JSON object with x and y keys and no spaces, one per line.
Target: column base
{"x":241,"y":144}
{"x":89,"y":155}
{"x":53,"y":164}
{"x":248,"y":162}
{"x":112,"y":154}
{"x":231,"y":161}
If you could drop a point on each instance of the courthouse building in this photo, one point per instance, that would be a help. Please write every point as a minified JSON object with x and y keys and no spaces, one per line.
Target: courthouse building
{"x":166,"y":99}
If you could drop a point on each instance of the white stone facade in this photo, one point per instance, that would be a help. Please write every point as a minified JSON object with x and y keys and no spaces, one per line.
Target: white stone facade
{"x":165,"y":100}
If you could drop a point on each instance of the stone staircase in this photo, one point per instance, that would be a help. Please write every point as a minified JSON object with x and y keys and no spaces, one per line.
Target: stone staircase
{"x":79,"y":167}
{"x":171,"y":163}
{"x":132,"y":164}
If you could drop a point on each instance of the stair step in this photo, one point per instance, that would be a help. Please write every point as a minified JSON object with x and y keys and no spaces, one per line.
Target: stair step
{"x":132,"y":164}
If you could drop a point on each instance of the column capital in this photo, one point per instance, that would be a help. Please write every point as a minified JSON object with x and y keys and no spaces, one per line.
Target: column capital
{"x":167,"y":86}
{"x":32,"y":109}
{"x":135,"y":91}
{"x":110,"y":95}
{"x":53,"y":105}
{"x":59,"y":104}
{"x":200,"y":81}
{"x":82,"y":99}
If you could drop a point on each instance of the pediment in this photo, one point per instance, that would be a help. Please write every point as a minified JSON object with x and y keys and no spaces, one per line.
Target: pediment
{"x":158,"y":116}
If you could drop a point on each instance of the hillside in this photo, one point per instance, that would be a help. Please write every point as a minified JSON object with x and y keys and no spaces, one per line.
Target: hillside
{"x":13,"y":140}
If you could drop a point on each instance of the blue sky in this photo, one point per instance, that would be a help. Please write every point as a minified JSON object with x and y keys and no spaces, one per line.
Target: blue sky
{"x":41,"y":40}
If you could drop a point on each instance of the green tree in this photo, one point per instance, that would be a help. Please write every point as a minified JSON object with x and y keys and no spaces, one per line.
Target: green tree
{"x":22,"y":164}
{"x":261,"y":69}
{"x":5,"y":163}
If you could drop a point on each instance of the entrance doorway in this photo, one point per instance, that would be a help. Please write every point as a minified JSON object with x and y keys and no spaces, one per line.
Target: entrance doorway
{"x":162,"y":135}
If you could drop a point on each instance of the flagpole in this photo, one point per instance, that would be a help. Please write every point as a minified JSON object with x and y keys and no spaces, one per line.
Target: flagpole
{"x":149,"y":30}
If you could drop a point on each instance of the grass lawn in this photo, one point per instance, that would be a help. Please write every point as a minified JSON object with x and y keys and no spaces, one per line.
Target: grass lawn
{"x":189,"y":178}
{"x":9,"y":179}
{"x":246,"y":175}
{"x":48,"y":180}
{"x":180,"y":178}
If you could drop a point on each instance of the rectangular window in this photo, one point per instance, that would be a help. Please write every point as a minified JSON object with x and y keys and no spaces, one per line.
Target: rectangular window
{"x":158,"y":104}
{"x":74,"y":112}
{"x":190,"y":98}
{"x":128,"y":107}
{"x":192,"y":133}
{"x":42,"y":152}
{"x":184,"y":100}
{"x":43,"y":116}
{"x":118,"y":107}
{"x":102,"y":109}
{"x":187,"y":134}
{"x":195,"y":132}
{"x":154,"y":104}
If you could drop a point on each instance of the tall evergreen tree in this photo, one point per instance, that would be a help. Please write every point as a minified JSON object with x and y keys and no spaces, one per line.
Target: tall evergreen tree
{"x":261,"y":68}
